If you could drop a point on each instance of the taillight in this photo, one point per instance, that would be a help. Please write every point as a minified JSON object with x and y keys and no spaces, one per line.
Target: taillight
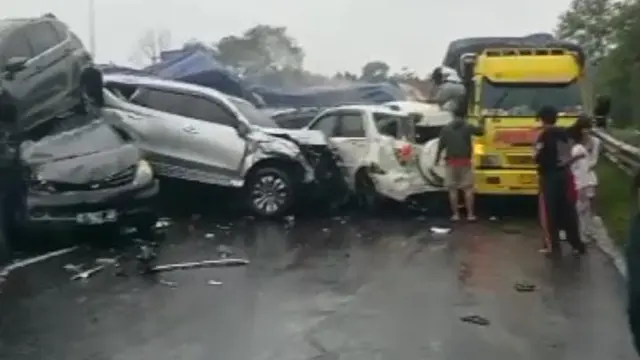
{"x":404,"y":153}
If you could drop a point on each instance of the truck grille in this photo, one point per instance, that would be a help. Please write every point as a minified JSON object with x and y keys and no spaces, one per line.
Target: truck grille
{"x":520,"y":160}
{"x":116,"y":180}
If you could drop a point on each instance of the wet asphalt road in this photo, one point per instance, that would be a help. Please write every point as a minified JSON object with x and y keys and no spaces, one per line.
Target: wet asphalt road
{"x":335,"y":288}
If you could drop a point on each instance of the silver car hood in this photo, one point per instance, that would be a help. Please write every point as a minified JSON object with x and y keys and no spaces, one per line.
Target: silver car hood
{"x":302,"y":136}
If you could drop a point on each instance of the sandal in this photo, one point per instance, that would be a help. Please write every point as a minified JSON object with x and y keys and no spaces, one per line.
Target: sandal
{"x":455,"y":217}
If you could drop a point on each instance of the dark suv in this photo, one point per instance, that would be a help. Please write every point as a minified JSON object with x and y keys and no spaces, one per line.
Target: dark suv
{"x":44,"y":69}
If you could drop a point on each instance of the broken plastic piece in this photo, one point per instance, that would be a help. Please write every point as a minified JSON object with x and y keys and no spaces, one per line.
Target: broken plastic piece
{"x":214,"y":282}
{"x":476,"y":320}
{"x":171,"y":284}
{"x":209,"y":236}
{"x":524,"y":287}
{"x":439,"y":230}
{"x":201,"y":264}
{"x":224,"y":251}
{"x":87,"y":273}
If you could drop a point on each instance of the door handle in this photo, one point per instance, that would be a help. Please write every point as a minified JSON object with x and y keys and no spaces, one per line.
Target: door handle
{"x":190,"y":130}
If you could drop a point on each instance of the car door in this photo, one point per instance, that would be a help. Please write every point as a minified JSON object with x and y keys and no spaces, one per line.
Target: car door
{"x":21,"y":84}
{"x":50,"y":72}
{"x":214,"y":142}
{"x":160,"y":131}
{"x":351,"y":138}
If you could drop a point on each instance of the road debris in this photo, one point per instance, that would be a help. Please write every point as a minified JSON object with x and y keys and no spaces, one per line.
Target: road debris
{"x":214,"y":282}
{"x":33,"y":260}
{"x":88,"y":273}
{"x":209,"y":235}
{"x":436,"y":230}
{"x":162,"y":223}
{"x":201,"y":264}
{"x":476,"y":320}
{"x":524,"y":287}
{"x":171,"y":284}
{"x":107,"y":261}
{"x":224,"y":251}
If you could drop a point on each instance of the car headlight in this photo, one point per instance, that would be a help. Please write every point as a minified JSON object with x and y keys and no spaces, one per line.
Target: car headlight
{"x":144,"y":173}
{"x":490,"y":160}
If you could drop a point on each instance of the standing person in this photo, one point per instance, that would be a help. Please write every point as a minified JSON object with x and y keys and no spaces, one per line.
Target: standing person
{"x":592,"y":145}
{"x":457,"y":143}
{"x":582,"y":174}
{"x":632,"y":254}
{"x":553,"y":156}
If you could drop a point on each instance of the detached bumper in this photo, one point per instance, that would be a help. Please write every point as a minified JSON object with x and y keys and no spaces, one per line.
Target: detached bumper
{"x":131,"y":204}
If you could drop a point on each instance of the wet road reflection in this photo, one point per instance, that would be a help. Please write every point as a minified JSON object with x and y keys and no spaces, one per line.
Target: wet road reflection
{"x":335,"y":288}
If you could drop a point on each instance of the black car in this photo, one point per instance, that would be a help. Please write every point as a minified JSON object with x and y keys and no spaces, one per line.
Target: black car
{"x":44,"y":69}
{"x":90,"y":175}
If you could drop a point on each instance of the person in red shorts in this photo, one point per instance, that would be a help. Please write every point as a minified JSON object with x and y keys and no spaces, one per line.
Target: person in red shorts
{"x":456,"y":141}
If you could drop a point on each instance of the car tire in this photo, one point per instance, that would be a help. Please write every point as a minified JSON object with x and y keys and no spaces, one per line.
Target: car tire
{"x":270,"y":192}
{"x":367,"y":198}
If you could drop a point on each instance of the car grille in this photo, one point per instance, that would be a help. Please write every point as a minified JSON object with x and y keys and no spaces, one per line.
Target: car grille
{"x":116,"y":180}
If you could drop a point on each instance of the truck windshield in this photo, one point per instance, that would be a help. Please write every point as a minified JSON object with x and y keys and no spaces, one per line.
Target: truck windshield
{"x":524,"y":99}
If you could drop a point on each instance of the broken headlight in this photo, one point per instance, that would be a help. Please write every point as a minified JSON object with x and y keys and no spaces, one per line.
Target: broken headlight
{"x":144,"y":173}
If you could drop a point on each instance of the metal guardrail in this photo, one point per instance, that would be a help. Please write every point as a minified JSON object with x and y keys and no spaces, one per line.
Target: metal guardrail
{"x":625,"y":156}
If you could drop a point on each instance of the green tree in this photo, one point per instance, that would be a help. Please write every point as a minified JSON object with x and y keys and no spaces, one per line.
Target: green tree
{"x":375,"y":71}
{"x":261,"y":48}
{"x":589,"y":24}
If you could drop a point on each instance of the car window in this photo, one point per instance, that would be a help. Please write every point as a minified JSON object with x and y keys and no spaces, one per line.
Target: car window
{"x":351,"y":125}
{"x":158,"y":100}
{"x":207,"y":110}
{"x":326,"y":124}
{"x":16,"y":45}
{"x":253,"y":115}
{"x":42,"y":36}
{"x":395,"y":125}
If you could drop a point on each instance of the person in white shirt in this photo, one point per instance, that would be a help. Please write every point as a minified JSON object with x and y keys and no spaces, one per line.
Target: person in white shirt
{"x":582,"y":166}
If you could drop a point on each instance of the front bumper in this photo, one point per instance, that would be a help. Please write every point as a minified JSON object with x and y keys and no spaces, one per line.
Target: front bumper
{"x":132,"y":205}
{"x":506,"y":182}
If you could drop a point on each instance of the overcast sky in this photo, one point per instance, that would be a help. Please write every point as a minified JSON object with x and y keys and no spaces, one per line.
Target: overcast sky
{"x":335,"y":34}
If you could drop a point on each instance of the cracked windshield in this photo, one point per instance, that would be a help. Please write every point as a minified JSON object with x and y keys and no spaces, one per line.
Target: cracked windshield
{"x":319,"y":180}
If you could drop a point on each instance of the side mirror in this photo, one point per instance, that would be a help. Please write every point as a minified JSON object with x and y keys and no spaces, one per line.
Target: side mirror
{"x":243,"y":129}
{"x":15,"y":64}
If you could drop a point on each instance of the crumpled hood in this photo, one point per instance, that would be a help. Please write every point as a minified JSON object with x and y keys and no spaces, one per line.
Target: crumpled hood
{"x":273,"y":144}
{"x":302,"y":136}
{"x":85,"y":154}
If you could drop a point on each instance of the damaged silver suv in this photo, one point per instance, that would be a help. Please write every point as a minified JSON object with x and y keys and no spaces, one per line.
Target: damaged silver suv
{"x":196,"y":134}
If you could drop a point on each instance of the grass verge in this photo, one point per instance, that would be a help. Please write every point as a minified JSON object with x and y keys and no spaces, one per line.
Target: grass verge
{"x":614,"y":200}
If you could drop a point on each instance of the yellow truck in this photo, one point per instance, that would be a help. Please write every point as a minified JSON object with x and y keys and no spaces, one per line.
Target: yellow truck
{"x":506,"y":83}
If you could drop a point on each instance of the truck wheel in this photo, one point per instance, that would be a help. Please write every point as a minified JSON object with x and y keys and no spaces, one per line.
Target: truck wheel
{"x":367,"y":196}
{"x":269,"y":191}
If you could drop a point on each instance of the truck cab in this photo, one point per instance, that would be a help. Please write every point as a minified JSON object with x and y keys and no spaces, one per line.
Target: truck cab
{"x":505,"y":87}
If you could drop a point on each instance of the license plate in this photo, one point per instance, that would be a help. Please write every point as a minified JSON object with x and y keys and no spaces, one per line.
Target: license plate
{"x":97,"y":217}
{"x":527,"y":179}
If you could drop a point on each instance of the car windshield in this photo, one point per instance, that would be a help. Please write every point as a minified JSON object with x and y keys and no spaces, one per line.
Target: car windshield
{"x":525,"y":99}
{"x":253,"y":115}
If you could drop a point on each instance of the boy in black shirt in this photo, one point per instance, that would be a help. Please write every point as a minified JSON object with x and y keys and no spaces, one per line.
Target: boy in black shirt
{"x":558,"y":211}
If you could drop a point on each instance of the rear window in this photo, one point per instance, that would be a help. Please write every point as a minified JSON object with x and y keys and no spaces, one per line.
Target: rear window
{"x":394,"y":125}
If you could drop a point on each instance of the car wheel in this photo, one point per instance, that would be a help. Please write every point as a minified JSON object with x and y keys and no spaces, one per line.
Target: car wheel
{"x":270,"y":192}
{"x":367,"y":196}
